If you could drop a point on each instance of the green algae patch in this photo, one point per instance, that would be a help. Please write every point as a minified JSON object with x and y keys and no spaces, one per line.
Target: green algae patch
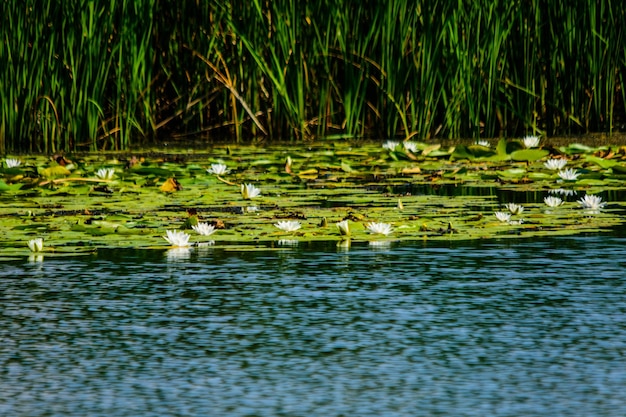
{"x":423,"y":194}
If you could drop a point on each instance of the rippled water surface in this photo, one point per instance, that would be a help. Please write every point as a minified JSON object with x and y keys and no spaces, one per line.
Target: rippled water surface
{"x":500,"y":329}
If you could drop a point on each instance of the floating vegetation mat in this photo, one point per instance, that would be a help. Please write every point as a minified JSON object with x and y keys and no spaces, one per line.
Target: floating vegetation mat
{"x":285,"y":195}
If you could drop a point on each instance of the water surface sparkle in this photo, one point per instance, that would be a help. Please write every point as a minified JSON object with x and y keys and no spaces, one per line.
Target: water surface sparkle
{"x":501,"y":329}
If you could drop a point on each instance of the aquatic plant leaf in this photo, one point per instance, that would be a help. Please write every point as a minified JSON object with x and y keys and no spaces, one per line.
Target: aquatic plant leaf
{"x":157,"y":172}
{"x":4,"y":187}
{"x":602,"y":163}
{"x":435,"y":192}
{"x":428,"y":149}
{"x":619,"y":169}
{"x":529,"y":155}
{"x":345,"y":167}
{"x":171,"y":185}
{"x":55,"y":172}
{"x":576,"y":148}
{"x":472,"y":152}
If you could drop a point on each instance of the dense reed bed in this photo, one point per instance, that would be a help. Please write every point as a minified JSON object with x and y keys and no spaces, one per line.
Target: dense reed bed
{"x":110,"y":75}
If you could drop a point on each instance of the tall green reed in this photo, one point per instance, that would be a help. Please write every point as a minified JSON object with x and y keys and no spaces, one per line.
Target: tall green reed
{"x":111,"y":75}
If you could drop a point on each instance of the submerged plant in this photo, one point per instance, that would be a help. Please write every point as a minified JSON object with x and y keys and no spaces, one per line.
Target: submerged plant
{"x":204,"y":229}
{"x":379,"y":228}
{"x":177,"y":238}
{"x":249,"y":191}
{"x":35,"y":245}
{"x":288,"y":225}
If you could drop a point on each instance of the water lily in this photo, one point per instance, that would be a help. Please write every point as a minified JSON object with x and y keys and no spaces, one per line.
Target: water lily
{"x":502,"y":216}
{"x":390,"y":144}
{"x":105,"y":173}
{"x":344,"y":228}
{"x":204,"y":229}
{"x":35,"y":245}
{"x":380,"y":228}
{"x":569,"y":174}
{"x":218,"y":169}
{"x":552,"y":201}
{"x":177,"y":238}
{"x":514,"y":208}
{"x":288,"y":225}
{"x":249,"y":191}
{"x":531,"y":141}
{"x":12,"y":162}
{"x":410,"y":146}
{"x":591,"y":202}
{"x":483,"y":142}
{"x":555,"y":164}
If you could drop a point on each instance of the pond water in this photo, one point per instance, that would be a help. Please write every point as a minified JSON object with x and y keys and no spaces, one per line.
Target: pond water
{"x":504,"y":328}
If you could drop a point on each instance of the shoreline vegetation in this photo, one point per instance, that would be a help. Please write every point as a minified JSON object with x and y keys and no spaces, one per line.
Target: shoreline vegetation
{"x":93,"y":76}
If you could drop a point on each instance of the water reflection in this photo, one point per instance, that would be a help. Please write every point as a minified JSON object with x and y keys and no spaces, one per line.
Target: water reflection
{"x":500,"y":329}
{"x":178,"y":254}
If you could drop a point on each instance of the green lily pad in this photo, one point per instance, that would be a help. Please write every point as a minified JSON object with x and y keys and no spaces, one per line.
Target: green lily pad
{"x":529,"y":155}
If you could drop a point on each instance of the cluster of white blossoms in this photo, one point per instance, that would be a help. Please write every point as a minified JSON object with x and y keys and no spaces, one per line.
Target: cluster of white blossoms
{"x":105,"y":173}
{"x":12,"y":162}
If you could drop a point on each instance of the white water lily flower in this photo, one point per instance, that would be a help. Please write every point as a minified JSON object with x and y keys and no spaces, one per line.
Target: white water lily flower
{"x":288,"y":225}
{"x":381,"y":228}
{"x":552,"y":201}
{"x":502,"y":216}
{"x":531,"y":141}
{"x":204,"y":229}
{"x":35,"y":245}
{"x":249,"y":191}
{"x":591,"y":202}
{"x":12,"y":162}
{"x":483,"y":142}
{"x":569,"y":174}
{"x":410,"y":146}
{"x":177,"y":238}
{"x":344,"y":228}
{"x":218,"y":169}
{"x":555,"y":164}
{"x":105,"y":173}
{"x":390,"y":144}
{"x":514,"y":208}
